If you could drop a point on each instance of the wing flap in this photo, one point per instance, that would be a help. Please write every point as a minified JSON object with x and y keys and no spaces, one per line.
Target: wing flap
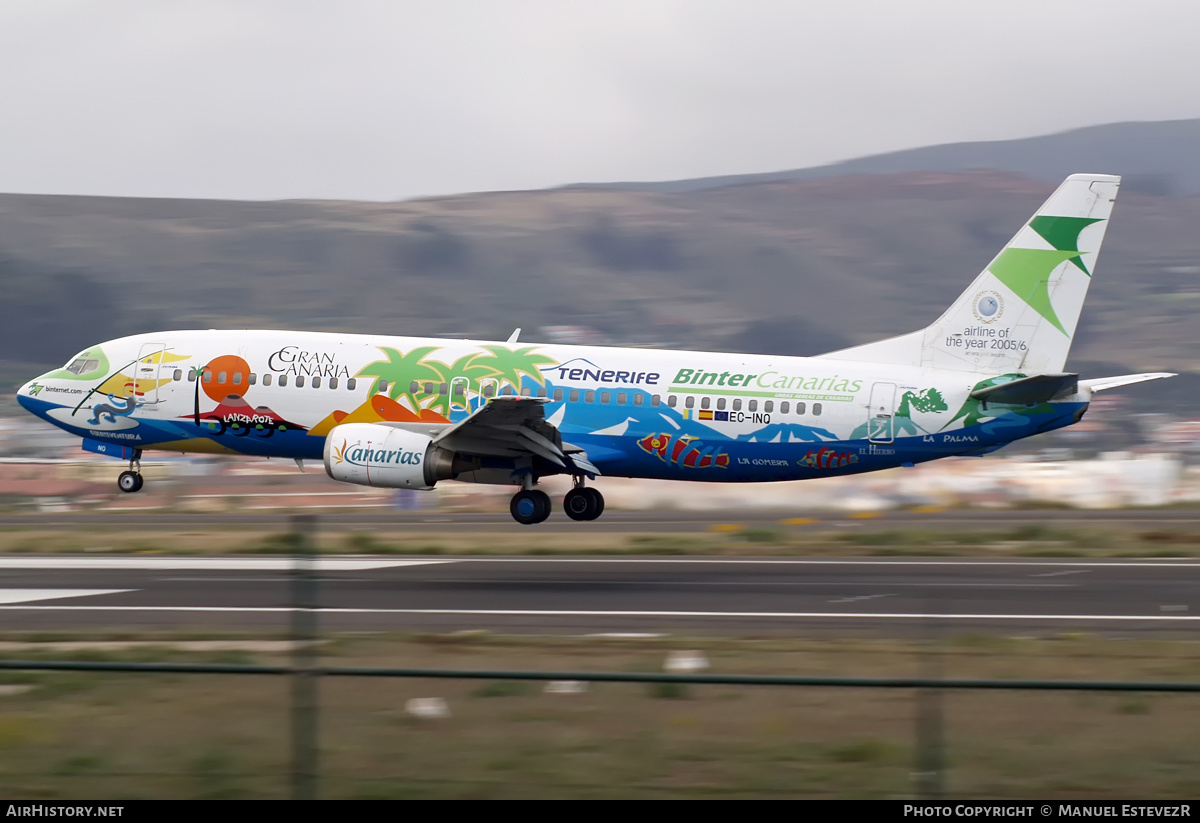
{"x":511,"y":427}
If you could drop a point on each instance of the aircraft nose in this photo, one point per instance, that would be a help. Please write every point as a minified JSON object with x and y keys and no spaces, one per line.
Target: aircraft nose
{"x":27,"y":393}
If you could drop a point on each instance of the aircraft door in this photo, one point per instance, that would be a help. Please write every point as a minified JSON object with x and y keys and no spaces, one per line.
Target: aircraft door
{"x":881,"y":413}
{"x":458,"y":394}
{"x":146,"y":374}
{"x":488,"y":388}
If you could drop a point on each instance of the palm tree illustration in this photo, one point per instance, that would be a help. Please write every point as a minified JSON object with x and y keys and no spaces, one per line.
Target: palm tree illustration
{"x":401,"y":370}
{"x":509,"y":365}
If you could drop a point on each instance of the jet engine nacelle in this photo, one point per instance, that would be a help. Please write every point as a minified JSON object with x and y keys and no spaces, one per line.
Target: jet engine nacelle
{"x":391,"y":458}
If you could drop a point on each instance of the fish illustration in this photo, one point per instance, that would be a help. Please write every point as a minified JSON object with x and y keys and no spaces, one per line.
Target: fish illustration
{"x":687,"y":451}
{"x":656,"y":444}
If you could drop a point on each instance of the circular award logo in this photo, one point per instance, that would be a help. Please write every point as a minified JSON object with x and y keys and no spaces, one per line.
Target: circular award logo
{"x":988,"y":306}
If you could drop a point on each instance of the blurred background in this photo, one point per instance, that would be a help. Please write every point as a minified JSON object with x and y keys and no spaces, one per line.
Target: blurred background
{"x":766,"y":177}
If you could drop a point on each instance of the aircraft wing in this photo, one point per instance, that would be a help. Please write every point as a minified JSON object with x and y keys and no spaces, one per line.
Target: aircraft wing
{"x":511,"y":427}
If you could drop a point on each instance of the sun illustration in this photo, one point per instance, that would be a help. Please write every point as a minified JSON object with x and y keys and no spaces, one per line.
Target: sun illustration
{"x":229,"y":375}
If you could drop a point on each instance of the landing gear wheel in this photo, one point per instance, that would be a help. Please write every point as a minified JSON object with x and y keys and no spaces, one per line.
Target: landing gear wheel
{"x":130,"y":482}
{"x":596,"y":501}
{"x":578,"y":504}
{"x":530,"y":506}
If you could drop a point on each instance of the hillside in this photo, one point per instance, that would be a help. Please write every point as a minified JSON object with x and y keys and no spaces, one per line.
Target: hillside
{"x":1153,"y":157}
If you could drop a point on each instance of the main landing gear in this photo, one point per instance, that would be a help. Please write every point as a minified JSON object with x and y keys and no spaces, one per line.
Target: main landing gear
{"x":531,"y":505}
{"x":131,"y":481}
{"x":583,"y":503}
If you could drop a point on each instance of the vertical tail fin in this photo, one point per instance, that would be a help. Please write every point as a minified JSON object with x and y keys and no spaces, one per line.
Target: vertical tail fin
{"x":1021,"y":311}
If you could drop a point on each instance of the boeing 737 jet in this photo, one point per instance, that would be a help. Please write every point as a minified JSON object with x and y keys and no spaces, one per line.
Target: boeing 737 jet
{"x":401,"y":412}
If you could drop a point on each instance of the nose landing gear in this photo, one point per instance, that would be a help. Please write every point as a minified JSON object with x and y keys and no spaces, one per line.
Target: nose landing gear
{"x":131,"y":481}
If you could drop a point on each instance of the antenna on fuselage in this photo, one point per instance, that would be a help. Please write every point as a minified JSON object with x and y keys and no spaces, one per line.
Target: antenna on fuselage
{"x":512,"y":338}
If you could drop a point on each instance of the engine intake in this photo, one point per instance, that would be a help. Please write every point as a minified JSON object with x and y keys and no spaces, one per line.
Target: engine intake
{"x":372,"y":455}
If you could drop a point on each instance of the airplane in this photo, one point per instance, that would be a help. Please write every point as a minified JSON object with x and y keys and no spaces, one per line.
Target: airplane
{"x":403,"y":412}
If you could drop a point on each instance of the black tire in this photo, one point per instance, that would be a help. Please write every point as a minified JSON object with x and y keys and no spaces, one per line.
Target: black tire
{"x":544,"y":505}
{"x":578,"y":504}
{"x":597,"y":501}
{"x":529,"y":507}
{"x":141,"y":481}
{"x":129,"y":482}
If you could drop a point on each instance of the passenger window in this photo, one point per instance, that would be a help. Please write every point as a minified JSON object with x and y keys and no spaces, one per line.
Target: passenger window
{"x":489,"y":390}
{"x":783,"y":407}
{"x":672,"y":401}
{"x":817,"y":409}
{"x":655,"y":400}
{"x":558,"y":394}
{"x":589,"y":397}
{"x":351,"y":383}
{"x":252,"y":379}
{"x":443,"y":390}
{"x":720,"y":402}
{"x":221,"y":376}
{"x":799,"y":408}
{"x":414,"y":387}
{"x":300,"y":383}
{"x":191,"y":375}
{"x":525,"y":391}
{"x":574,"y":395}
{"x":208,"y":375}
{"x":604,"y":396}
{"x":705,"y":402}
{"x":542,"y":392}
{"x":283,"y":379}
{"x":383,"y":385}
{"x":316,"y":384}
{"x":429,"y":388}
{"x":620,"y":398}
{"x":237,"y":378}
{"x":178,"y":375}
{"x":266,"y":379}
{"x":508,"y":391}
{"x":752,"y":405}
{"x":737,"y":404}
{"x":690,"y":402}
{"x":333,"y":382}
{"x":637,"y":400}
{"x":769,"y":406}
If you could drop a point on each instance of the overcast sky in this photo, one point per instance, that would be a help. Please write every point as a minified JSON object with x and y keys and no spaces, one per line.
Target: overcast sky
{"x":393,"y":100}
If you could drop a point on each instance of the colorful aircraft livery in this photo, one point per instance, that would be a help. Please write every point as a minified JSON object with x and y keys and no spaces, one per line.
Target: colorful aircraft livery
{"x":401,"y":412}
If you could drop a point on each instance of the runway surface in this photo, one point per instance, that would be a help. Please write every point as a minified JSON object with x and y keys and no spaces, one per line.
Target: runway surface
{"x":616,"y":522}
{"x":582,"y":596}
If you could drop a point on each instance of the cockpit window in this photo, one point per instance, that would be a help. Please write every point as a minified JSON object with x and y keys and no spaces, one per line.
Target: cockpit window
{"x":83,"y":365}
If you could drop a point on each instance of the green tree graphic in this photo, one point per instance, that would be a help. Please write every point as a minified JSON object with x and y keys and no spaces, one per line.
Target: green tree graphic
{"x":400,"y":370}
{"x":497,"y":362}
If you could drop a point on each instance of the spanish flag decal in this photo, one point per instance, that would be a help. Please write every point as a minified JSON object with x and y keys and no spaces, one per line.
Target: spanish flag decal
{"x":705,"y":415}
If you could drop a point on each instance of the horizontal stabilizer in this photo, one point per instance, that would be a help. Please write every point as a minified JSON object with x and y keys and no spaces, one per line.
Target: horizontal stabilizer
{"x":1102,"y":383}
{"x":1025,"y":391}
